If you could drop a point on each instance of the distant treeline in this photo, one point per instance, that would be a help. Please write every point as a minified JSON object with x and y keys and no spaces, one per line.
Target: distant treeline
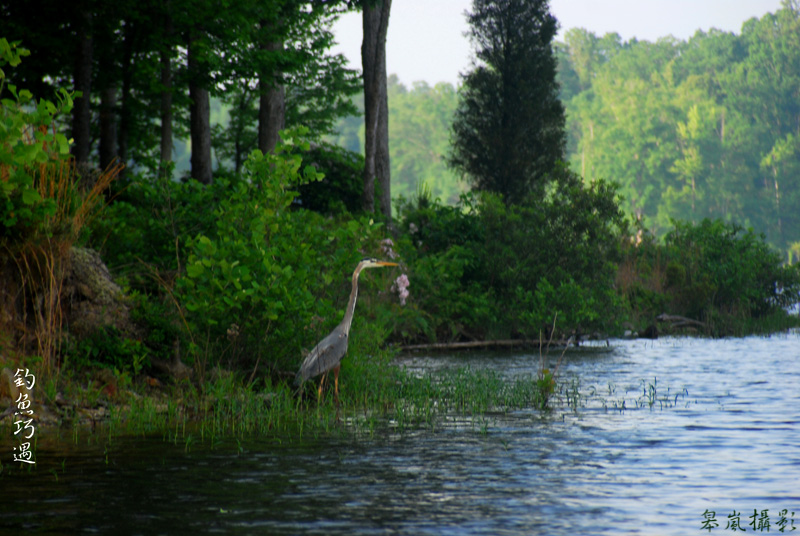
{"x":704,"y":128}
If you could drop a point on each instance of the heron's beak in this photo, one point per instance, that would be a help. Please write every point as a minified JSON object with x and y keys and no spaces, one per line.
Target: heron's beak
{"x":383,"y":263}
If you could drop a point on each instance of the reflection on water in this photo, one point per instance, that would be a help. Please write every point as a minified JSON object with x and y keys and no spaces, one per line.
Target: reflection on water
{"x":708,"y":425}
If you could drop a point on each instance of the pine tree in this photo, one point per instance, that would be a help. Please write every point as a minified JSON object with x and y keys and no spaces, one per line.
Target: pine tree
{"x":508,"y":130}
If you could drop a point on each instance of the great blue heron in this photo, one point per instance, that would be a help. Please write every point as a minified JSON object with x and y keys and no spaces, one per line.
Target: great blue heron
{"x":328,"y":354}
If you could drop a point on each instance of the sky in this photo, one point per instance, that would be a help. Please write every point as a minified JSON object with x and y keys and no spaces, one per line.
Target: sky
{"x":426,"y":40}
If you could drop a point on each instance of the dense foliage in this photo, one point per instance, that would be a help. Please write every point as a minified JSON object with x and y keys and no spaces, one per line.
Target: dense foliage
{"x":716,"y":272}
{"x":483,"y":270}
{"x":251,"y":278}
{"x":131,"y":61}
{"x":30,"y":147}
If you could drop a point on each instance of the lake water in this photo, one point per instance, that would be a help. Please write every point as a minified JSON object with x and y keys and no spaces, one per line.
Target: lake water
{"x":664,"y":433}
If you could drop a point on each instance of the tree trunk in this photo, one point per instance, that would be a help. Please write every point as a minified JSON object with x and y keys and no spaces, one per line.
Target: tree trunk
{"x":200,"y":119}
{"x":376,"y":107}
{"x":271,"y":106}
{"x":243,"y":104}
{"x":382,"y":170}
{"x":166,"y":109}
{"x":81,"y":113}
{"x":271,"y":116}
{"x":778,"y":206}
{"x":106,"y":84}
{"x":504,"y":343}
{"x":166,"y":95}
{"x":200,"y":112}
{"x":125,"y":99}
{"x":108,"y":126}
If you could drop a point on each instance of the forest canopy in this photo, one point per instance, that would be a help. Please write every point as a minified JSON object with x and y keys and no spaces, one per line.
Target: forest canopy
{"x":706,"y":128}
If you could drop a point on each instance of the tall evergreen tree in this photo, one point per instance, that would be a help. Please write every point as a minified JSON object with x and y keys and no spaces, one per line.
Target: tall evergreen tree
{"x":508,"y":129}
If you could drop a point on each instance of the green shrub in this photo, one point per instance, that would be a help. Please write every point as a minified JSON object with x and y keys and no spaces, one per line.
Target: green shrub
{"x":484,"y":269}
{"x":144,"y":231}
{"x":712,"y":271}
{"x":730,"y":269}
{"x":155,"y":316}
{"x":108,"y":348}
{"x":239,"y":270}
{"x":27,"y":142}
{"x":676,"y":274}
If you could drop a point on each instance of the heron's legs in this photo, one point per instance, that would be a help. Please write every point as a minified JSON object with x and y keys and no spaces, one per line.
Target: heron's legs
{"x":336,"y":384}
{"x":321,"y":383}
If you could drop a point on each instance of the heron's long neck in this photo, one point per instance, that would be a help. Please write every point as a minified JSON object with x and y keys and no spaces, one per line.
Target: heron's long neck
{"x":351,"y":303}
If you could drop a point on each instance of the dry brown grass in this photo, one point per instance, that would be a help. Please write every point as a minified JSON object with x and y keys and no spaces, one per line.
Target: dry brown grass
{"x":41,"y":255}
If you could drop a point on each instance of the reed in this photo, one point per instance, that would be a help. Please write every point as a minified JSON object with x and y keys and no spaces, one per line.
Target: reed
{"x":650,"y":395}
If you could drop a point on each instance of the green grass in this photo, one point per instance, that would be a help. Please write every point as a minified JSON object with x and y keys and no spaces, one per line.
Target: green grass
{"x":389,"y":398}
{"x":651,"y":396}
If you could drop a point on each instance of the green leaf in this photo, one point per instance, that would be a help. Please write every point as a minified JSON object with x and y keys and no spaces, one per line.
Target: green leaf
{"x":63,"y":144}
{"x":30,"y":196}
{"x":194,"y":270}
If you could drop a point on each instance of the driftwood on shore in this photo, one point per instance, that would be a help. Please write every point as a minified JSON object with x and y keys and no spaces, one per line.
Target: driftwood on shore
{"x":507,"y":343}
{"x":677,"y":321}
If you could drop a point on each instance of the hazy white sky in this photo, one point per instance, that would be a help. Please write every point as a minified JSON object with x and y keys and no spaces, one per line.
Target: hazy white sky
{"x":426,"y":37}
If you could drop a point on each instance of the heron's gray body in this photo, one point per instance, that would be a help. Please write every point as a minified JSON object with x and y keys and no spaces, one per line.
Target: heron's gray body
{"x":325,"y":355}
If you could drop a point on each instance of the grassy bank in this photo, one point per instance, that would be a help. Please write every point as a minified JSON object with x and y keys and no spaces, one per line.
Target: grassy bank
{"x":374,"y":395}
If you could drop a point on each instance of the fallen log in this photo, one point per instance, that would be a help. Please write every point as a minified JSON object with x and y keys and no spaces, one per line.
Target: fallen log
{"x":678,"y":321}
{"x":508,"y":343}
